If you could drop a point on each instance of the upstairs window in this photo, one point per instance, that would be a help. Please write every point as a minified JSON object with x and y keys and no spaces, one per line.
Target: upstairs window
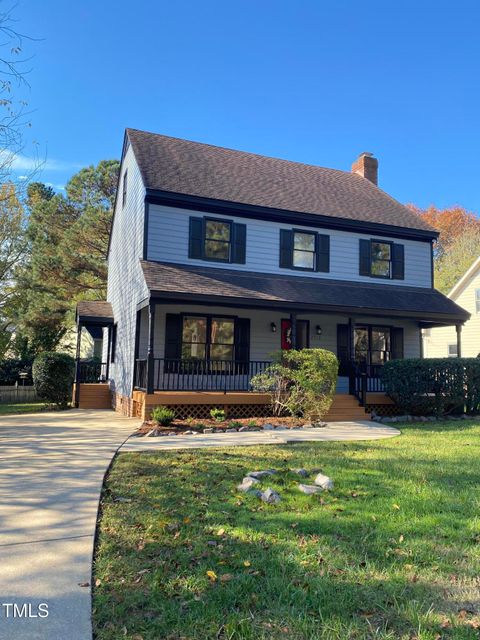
{"x":477,"y":300}
{"x":217,"y":240}
{"x":381,"y":259}
{"x":304,"y":250}
{"x":124,"y":188}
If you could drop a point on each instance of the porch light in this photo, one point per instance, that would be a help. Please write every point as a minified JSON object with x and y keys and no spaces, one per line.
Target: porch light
{"x":318,"y":330}
{"x":273,"y":327}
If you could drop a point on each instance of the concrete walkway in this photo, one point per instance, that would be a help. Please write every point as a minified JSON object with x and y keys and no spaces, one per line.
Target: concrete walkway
{"x":52,"y":467}
{"x":51,"y":472}
{"x":361,"y":430}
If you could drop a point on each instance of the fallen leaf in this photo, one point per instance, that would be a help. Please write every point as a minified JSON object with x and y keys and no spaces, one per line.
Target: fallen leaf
{"x":212,"y":575}
{"x":220,"y":532}
{"x":401,"y":538}
{"x":226,"y":577}
{"x":247,"y":563}
{"x":396,"y":506}
{"x":98,"y":582}
{"x":186,"y":520}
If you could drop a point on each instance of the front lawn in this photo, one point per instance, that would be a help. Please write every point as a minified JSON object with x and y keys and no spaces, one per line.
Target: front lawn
{"x":21,"y":407}
{"x":392,"y":553}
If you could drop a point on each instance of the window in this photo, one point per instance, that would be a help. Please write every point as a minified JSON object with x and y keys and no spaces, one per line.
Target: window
{"x":372,"y":345}
{"x":217,"y":240}
{"x":452,"y":350}
{"x":124,"y":188}
{"x":381,"y":259}
{"x":303,"y":250}
{"x":206,"y":337}
{"x":477,"y":300}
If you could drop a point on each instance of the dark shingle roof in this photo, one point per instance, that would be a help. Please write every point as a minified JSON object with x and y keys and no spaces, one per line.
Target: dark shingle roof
{"x":202,"y":170}
{"x":271,"y":290}
{"x":94,"y":310}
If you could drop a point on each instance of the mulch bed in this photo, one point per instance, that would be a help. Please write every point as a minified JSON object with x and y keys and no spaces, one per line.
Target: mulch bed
{"x":180,"y":426}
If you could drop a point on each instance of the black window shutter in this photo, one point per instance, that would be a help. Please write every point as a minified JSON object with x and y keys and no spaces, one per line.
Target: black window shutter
{"x":242,"y":343}
{"x":195,"y":238}
{"x":343,"y":348}
{"x":397,"y":342}
{"x":286,"y":248}
{"x":323,"y":253}
{"x":398,"y":262}
{"x":239,"y":243}
{"x":173,"y":336}
{"x":364,"y":255}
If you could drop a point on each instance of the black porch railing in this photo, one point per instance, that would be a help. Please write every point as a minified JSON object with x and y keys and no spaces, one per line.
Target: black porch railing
{"x":366,"y":379}
{"x":92,"y":372}
{"x":199,"y":375}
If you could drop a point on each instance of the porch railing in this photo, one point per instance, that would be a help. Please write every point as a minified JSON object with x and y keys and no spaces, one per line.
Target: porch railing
{"x":366,"y":379}
{"x":92,"y":372}
{"x":199,"y":375}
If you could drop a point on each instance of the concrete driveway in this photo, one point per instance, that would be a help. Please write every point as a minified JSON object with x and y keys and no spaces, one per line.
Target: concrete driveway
{"x":51,"y":472}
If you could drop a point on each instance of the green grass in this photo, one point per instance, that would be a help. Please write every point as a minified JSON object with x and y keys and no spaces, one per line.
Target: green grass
{"x":392,"y":553}
{"x":21,"y":407}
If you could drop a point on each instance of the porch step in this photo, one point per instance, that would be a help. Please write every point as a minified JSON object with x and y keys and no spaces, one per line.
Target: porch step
{"x":94,"y":396}
{"x":345,"y":408}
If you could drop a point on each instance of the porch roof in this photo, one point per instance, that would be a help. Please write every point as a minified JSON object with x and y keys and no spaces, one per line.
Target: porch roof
{"x":97,"y":312}
{"x":237,"y":288}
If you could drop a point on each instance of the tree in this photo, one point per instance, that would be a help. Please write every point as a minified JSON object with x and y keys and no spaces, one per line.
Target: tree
{"x":453,"y":263}
{"x":68,"y":239}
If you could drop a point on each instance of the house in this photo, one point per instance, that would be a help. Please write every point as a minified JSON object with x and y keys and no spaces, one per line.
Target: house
{"x":442,"y":342}
{"x":218,"y":257}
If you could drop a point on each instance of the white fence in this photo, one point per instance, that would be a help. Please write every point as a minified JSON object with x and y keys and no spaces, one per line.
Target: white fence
{"x":17,"y":394}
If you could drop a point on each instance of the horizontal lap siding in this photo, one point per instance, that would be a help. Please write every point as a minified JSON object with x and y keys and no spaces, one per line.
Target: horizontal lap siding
{"x":126,"y":285}
{"x":168,"y":242}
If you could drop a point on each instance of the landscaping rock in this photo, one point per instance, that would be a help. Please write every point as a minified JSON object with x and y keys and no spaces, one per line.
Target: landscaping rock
{"x":188,"y":433}
{"x":247,"y":483}
{"x":270,"y":496}
{"x":324,"y":481}
{"x":153,"y":433}
{"x":242,"y":429}
{"x":232,"y":430}
{"x":319,"y":425}
{"x":208,"y":431}
{"x":310,"y":489}
{"x":268,"y":427}
{"x":300,"y":472}
{"x":172,"y":433}
{"x":261,"y":474}
{"x":297,"y":427}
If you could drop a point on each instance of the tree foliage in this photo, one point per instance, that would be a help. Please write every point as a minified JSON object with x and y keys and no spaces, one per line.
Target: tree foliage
{"x":53,"y":376}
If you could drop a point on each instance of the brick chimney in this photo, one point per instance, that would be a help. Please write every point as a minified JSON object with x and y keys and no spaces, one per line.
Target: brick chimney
{"x":366,"y":166}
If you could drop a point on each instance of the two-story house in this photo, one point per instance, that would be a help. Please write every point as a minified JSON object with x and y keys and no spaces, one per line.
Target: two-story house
{"x":442,"y":342}
{"x":218,"y":258}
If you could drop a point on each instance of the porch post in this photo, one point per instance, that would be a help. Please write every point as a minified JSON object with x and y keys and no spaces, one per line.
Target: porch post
{"x":458,"y":328}
{"x":293,"y":322}
{"x":77,"y":365}
{"x":420,"y":341}
{"x":138,"y":319}
{"x":150,"y":356}
{"x":351,"y":351}
{"x":109,"y":341}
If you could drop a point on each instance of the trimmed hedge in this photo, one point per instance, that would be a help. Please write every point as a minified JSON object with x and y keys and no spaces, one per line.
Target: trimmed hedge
{"x":53,"y":376}
{"x":10,"y":371}
{"x":434,"y":386}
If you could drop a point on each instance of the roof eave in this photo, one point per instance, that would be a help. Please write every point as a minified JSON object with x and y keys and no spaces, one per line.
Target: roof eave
{"x":192,"y":202}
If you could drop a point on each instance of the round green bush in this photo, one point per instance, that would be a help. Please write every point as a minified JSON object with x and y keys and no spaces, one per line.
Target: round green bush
{"x":53,"y":376}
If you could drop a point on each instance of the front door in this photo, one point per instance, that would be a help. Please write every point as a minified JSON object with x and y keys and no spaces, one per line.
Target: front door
{"x":303,"y":332}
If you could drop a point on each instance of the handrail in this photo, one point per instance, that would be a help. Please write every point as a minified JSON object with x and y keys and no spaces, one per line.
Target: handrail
{"x":92,"y":372}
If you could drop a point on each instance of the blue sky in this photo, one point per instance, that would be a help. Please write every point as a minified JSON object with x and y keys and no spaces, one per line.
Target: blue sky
{"x":314,"y":81}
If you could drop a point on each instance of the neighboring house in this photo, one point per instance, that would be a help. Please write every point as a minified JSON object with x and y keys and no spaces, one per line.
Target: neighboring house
{"x":217,"y":258}
{"x":442,"y":343}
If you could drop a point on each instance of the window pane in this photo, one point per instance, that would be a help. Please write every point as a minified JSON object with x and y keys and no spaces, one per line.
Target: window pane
{"x":222,"y":331}
{"x":221,"y":352}
{"x":380,"y":340}
{"x":217,"y":230}
{"x":304,"y":241}
{"x":193,"y":350}
{"x":380,"y":251}
{"x":217,"y":250}
{"x":304,"y":259}
{"x":194,"y":329}
{"x":380,"y":268}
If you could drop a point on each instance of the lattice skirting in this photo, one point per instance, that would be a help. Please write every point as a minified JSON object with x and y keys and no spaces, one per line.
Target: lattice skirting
{"x":202,"y":411}
{"x":383,"y":409}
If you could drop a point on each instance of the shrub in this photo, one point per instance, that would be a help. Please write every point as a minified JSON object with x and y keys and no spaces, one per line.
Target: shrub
{"x":235,"y":424}
{"x":10,"y":371}
{"x":301,"y":383}
{"x":217,"y":414}
{"x":434,"y":385}
{"x":53,"y":376}
{"x":163,"y":416}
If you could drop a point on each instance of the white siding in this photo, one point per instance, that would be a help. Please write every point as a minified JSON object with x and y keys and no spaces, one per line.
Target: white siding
{"x":168,"y":242}
{"x":436,"y":344}
{"x":263,"y":342}
{"x":126,"y":285}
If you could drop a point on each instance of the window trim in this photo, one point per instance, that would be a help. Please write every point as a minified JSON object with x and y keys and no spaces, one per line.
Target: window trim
{"x":204,"y":239}
{"x":314,"y":234}
{"x":375,"y":275}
